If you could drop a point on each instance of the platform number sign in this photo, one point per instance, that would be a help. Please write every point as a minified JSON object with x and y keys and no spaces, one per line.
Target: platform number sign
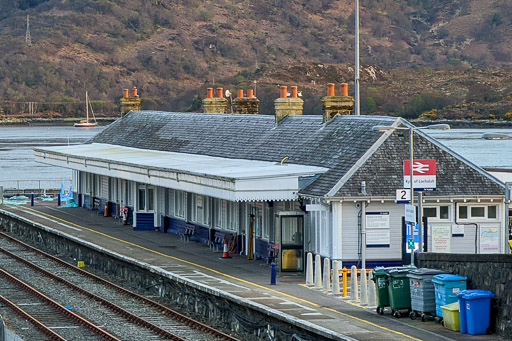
{"x":403,"y":196}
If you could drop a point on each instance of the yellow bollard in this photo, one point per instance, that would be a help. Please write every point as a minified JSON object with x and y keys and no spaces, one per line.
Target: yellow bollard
{"x":81,"y":264}
{"x":344,"y":271}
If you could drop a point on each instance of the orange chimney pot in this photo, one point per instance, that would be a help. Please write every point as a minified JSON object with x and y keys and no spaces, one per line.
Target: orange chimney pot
{"x":209,"y":93}
{"x":240,"y":93}
{"x":220,"y":92}
{"x":284,"y":91}
{"x":134,"y":92}
{"x":330,"y":89}
{"x":250,"y":93}
{"x":125,"y":93}
{"x":293,"y":91}
{"x":344,"y":89}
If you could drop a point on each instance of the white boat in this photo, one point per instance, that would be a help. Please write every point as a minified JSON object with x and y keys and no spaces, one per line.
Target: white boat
{"x":86,"y":123}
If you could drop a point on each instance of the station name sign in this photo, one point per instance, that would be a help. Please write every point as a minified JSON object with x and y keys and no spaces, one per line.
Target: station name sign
{"x":424,"y":175}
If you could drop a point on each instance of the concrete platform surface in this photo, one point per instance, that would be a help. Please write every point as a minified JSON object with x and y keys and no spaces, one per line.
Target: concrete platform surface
{"x":247,"y":280}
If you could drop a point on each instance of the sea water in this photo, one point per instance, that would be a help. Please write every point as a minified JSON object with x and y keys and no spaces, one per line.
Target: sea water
{"x":17,"y":162}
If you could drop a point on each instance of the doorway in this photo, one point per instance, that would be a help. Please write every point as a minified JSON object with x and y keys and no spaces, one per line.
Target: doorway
{"x":292,"y":242}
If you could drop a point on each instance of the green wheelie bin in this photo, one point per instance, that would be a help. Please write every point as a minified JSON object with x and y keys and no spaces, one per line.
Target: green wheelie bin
{"x":380,"y":277}
{"x":399,"y":291}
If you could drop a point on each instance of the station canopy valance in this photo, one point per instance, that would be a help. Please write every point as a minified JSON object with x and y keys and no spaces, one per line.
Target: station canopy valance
{"x":224,"y":178}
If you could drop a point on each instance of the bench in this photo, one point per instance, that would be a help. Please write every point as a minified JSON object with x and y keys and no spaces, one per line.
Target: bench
{"x":186,"y":232}
{"x":96,"y":205}
{"x":273,"y":252}
{"x":218,"y":240}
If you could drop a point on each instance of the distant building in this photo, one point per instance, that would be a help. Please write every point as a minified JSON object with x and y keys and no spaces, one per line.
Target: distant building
{"x":285,"y":184}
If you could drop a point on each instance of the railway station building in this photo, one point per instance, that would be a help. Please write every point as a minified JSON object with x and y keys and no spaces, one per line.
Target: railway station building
{"x":282,"y":185}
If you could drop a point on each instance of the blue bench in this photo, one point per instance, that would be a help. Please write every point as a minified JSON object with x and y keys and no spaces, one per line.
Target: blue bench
{"x":186,"y":232}
{"x":218,"y":240}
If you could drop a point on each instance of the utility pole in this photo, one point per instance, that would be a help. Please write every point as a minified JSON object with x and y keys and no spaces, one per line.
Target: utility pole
{"x":28,"y":40}
{"x":356,"y":80}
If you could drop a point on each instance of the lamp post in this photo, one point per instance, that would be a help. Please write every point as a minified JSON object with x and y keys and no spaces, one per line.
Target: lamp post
{"x":356,"y":66}
{"x":382,"y":128}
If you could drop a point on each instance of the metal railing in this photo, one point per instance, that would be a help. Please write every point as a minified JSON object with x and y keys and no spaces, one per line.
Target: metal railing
{"x":33,"y":186}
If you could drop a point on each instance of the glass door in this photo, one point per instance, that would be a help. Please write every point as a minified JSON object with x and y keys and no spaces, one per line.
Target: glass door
{"x":292,"y":243}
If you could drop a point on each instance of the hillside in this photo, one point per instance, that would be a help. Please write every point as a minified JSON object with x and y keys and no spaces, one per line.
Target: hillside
{"x":416,"y":55}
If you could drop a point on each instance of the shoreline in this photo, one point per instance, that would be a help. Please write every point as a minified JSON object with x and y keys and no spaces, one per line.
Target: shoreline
{"x":102,"y":121}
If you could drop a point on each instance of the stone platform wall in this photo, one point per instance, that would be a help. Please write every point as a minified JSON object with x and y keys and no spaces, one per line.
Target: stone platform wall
{"x":488,"y":272}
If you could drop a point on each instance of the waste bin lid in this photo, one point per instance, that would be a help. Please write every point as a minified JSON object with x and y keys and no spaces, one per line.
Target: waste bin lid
{"x":448,"y":278}
{"x":451,"y":307}
{"x":381,"y":270}
{"x":467,"y":291}
{"x":399,"y":272}
{"x":476,"y":294}
{"x":427,"y":272}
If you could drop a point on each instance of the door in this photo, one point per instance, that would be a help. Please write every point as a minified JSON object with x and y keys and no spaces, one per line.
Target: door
{"x":292,"y":242}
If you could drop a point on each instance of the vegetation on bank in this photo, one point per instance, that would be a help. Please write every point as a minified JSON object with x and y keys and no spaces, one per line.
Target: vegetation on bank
{"x":419,"y":55}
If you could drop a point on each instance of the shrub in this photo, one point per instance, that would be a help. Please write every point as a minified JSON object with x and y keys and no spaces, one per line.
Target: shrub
{"x":508,"y":116}
{"x":429,"y":115}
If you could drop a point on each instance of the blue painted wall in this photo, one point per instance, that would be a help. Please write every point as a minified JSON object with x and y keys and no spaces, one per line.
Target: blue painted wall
{"x":145,"y":222}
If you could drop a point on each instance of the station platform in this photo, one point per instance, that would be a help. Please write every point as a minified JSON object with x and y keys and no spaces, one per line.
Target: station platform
{"x":249,"y":280}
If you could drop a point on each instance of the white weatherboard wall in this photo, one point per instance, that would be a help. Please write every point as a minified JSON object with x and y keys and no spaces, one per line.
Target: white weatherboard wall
{"x":351,"y":234}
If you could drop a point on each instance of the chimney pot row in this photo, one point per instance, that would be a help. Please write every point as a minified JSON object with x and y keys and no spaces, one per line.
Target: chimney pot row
{"x":330,"y":89}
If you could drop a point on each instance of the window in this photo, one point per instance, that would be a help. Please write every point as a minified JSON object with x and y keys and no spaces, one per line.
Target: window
{"x":142,"y":199}
{"x":437,"y":212}
{"x":492,"y":212}
{"x":145,"y":198}
{"x":463,"y":212}
{"x":226,"y":214}
{"x":180,"y":204}
{"x":430,"y":212}
{"x":478,"y":212}
{"x":200,"y":209}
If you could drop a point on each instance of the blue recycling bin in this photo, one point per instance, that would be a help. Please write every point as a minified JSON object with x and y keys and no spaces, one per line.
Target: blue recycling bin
{"x":475,"y":311}
{"x":446,"y":287}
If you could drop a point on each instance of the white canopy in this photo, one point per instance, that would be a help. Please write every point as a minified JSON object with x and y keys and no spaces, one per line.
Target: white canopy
{"x":230,"y":179}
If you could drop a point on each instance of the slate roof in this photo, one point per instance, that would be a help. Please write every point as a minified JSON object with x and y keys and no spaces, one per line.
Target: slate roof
{"x":305,"y":140}
{"x":383,"y":171}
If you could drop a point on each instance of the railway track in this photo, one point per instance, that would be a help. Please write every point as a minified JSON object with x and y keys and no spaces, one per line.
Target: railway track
{"x":118,"y":312}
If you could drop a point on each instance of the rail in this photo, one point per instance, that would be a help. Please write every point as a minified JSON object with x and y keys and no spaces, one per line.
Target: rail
{"x":33,"y":186}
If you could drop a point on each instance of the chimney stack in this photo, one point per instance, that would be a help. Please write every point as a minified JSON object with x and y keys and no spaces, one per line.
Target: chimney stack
{"x":215,"y":105}
{"x":337,"y":105}
{"x":246,"y":105}
{"x":288,"y":106}
{"x":129,"y":103}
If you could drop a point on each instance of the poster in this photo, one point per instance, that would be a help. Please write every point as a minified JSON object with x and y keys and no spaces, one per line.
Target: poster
{"x":441,"y":235}
{"x":377,"y":220}
{"x":377,"y":229}
{"x":457,"y":230}
{"x":378,"y":237}
{"x":489,"y":240}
